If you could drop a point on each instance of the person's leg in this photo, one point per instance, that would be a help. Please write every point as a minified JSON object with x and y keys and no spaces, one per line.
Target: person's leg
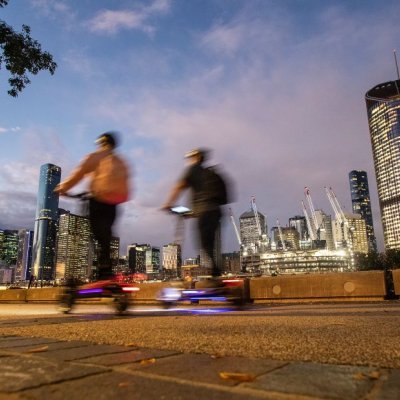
{"x":102,"y":217}
{"x":208,"y":224}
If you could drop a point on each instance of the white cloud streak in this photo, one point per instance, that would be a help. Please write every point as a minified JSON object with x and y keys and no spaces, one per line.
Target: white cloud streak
{"x":112,"y":21}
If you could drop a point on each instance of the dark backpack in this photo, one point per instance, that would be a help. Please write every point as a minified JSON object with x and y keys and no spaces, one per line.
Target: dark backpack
{"x":215,"y":189}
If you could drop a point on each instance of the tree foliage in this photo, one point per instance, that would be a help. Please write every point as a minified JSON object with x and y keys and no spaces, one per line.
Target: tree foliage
{"x":21,"y":54}
{"x":378,"y":261}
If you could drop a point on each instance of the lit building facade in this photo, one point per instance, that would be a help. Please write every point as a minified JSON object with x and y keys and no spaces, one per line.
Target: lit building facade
{"x":10,"y":247}
{"x":24,"y":258}
{"x":231,"y":263}
{"x":44,"y":242}
{"x":299,"y":222}
{"x":172,"y":259}
{"x":137,"y":258}
{"x":153,"y":260}
{"x":249,"y":234}
{"x":74,"y":248}
{"x":383,"y":108}
{"x":361,"y":203}
{"x":352,"y":234}
{"x":325,"y":229}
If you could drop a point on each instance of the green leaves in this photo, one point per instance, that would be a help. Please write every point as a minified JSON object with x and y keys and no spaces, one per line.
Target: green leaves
{"x":21,"y":54}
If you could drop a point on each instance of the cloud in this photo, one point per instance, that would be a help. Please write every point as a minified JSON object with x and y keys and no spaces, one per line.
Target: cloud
{"x":276,"y":126}
{"x":13,"y":129}
{"x":53,"y":8}
{"x":77,"y":61}
{"x":112,"y":21}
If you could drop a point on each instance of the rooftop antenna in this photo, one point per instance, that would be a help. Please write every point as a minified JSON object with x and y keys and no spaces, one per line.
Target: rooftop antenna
{"x":397,"y":69}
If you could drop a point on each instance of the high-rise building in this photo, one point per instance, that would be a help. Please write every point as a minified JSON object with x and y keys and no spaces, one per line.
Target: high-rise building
{"x":74,"y":247}
{"x":172,"y":260}
{"x":383,"y":108}
{"x":231,"y":263}
{"x":1,"y":243}
{"x":44,"y":242}
{"x":24,"y":259}
{"x":153,"y":260}
{"x":137,"y":258}
{"x":361,"y":203}
{"x":299,"y":222}
{"x":325,"y":229}
{"x":249,"y":234}
{"x":10,"y":247}
{"x":352,"y":234}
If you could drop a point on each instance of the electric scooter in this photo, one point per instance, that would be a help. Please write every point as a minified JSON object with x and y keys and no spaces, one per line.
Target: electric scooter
{"x":118,"y":292}
{"x":227,"y":289}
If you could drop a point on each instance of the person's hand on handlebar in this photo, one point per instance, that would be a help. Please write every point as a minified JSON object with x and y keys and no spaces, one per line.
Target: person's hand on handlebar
{"x":59,"y":190}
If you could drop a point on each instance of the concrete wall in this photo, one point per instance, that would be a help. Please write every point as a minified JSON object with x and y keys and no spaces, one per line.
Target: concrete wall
{"x":396,"y":281}
{"x":369,"y":284}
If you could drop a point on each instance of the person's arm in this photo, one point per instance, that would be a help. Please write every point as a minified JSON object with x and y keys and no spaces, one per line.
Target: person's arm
{"x":85,"y":167}
{"x":174,"y":194}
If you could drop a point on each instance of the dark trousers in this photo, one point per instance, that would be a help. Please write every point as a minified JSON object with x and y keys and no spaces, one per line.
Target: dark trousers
{"x":102,"y":217}
{"x":208,"y":225}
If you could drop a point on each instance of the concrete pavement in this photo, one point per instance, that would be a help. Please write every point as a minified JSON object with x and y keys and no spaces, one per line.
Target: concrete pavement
{"x":335,"y":351}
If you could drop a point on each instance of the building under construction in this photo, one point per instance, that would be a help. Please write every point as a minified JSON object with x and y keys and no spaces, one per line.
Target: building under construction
{"x":310,"y":244}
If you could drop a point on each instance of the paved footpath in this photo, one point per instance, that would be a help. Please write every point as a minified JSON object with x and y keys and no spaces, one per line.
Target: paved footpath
{"x":43,"y":367}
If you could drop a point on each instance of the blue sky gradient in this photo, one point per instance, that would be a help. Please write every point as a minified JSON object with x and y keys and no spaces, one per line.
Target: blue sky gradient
{"x":276,"y":88}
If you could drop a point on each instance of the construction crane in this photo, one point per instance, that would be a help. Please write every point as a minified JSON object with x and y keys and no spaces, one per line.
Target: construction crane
{"x":257,"y":218}
{"x":309,"y":225}
{"x":340,"y":216}
{"x":235,"y":228}
{"x":281,"y":235}
{"x":313,"y":213}
{"x":331,"y":197}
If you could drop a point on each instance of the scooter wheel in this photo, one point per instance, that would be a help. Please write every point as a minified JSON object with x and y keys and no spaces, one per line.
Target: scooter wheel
{"x":167,"y":304}
{"x":121,"y":304}
{"x":67,"y":301}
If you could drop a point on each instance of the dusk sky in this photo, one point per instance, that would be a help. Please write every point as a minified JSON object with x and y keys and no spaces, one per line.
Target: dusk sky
{"x":275,"y":88}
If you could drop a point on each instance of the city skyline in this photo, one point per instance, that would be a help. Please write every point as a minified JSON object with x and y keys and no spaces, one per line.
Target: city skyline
{"x":277,"y":90}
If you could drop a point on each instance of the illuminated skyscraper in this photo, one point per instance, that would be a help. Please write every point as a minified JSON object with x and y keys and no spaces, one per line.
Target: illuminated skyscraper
{"x":137,"y":258}
{"x":10,"y":247}
{"x":44,"y":242}
{"x":383,"y":107}
{"x":24,"y":260}
{"x":353,"y":235}
{"x":361,"y":203}
{"x":74,"y":247}
{"x":172,"y":260}
{"x":249,"y":234}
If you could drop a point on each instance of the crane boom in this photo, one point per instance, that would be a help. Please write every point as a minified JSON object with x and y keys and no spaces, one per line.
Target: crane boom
{"x":254,"y":207}
{"x":281,"y":235}
{"x":235,"y":227}
{"x":312,"y":209}
{"x":309,"y":226}
{"x":339,"y":207}
{"x":333,"y":204}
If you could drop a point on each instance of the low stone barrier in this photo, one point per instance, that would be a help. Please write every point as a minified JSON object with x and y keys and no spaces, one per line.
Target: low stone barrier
{"x":43,"y":294}
{"x":368,"y":285}
{"x":10,"y":295}
{"x":396,"y":281}
{"x":351,"y":286}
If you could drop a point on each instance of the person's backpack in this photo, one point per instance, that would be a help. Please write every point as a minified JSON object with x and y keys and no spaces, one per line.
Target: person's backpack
{"x":215,"y":188}
{"x":111,"y":183}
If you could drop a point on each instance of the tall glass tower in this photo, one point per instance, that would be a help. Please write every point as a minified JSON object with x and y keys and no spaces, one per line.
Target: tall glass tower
{"x":383,"y":107}
{"x":361,"y":203}
{"x":44,"y":242}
